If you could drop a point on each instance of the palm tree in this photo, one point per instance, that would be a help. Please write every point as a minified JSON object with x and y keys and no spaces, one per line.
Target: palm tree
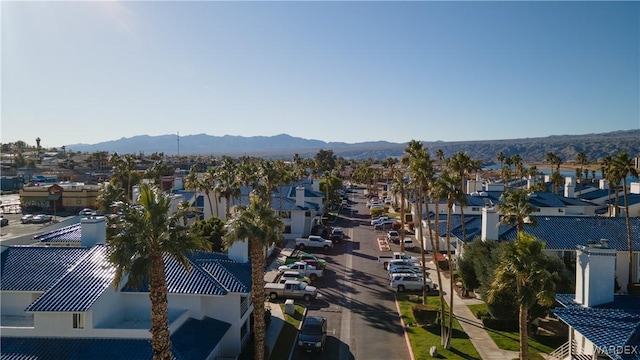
{"x":500,"y":156}
{"x":259,"y":225}
{"x":400,"y":187}
{"x":624,"y":166}
{"x":192,"y":182}
{"x":108,"y":196}
{"x":435,"y":194}
{"x":551,"y":159}
{"x":448,"y":189}
{"x":440,"y":157}
{"x":227,"y":184}
{"x":581,"y":157}
{"x":136,"y":246}
{"x":462,"y":165}
{"x":556,"y":180}
{"x":421,"y":169}
{"x":523,"y":268}
{"x":516,"y":209}
{"x":207,"y":185}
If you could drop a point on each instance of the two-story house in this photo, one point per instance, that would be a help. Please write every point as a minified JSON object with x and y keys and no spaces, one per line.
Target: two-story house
{"x":62,"y":300}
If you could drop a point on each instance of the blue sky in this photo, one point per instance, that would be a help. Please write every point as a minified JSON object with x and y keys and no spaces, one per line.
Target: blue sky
{"x":86,"y":72}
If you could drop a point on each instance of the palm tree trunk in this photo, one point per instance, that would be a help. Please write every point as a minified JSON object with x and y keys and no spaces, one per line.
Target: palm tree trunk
{"x":419,"y":202}
{"x":160,"y":335}
{"x":257,"y":298}
{"x":422,"y":253}
{"x":402,"y":220}
{"x":629,"y":237}
{"x":436,"y":252}
{"x":451,"y":284}
{"x":209,"y":199}
{"x":524,"y":344}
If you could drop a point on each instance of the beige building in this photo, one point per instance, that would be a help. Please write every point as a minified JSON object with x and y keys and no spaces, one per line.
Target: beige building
{"x":60,"y":196}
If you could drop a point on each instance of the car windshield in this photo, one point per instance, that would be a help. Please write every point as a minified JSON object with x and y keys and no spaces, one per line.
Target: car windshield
{"x":303,"y":286}
{"x":311,"y":329}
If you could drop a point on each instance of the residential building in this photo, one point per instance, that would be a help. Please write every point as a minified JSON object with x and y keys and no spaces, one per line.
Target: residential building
{"x":62,"y":300}
{"x":602,"y":325}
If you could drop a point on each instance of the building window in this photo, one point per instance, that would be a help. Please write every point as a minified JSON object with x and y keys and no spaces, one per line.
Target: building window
{"x":559,"y":210}
{"x":78,"y":321}
{"x":285,"y":214}
{"x":475,"y":209}
{"x":287,"y":229}
{"x":307,"y":213}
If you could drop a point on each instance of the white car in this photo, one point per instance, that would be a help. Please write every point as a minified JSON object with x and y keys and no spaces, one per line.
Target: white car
{"x":408,"y":243}
{"x":402,"y":282}
{"x":379,"y":220}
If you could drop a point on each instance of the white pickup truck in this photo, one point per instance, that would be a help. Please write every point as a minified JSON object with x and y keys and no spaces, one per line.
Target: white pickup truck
{"x":303,"y":268}
{"x":291,"y":289}
{"x":314,"y":241}
{"x":384,"y":259}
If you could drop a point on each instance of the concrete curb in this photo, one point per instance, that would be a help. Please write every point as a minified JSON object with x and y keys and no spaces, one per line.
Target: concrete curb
{"x":404,"y":329}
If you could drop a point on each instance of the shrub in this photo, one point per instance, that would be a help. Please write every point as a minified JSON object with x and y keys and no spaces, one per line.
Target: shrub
{"x":500,"y":324}
{"x":425,"y":315}
{"x":482,"y":313}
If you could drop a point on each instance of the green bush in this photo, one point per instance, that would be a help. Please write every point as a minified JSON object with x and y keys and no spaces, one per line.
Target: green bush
{"x":500,"y":324}
{"x":482,"y":313}
{"x":425,"y":315}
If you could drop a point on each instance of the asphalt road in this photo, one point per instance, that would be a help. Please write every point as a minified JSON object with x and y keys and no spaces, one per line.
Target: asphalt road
{"x":363,"y":320}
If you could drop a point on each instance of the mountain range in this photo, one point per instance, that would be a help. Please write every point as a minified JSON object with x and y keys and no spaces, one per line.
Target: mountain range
{"x":595,"y":146}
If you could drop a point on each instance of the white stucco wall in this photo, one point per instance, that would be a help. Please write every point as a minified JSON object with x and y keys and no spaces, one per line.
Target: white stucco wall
{"x":14,"y":302}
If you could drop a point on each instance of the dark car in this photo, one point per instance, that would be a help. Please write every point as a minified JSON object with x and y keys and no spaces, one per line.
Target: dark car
{"x":313,"y":334}
{"x":4,"y":221}
{"x":337,"y":234}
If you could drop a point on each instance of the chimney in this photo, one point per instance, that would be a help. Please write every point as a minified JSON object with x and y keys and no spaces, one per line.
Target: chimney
{"x":300,"y":196}
{"x":569,"y":188}
{"x":595,"y":273}
{"x":603,"y":184}
{"x":239,"y":251}
{"x":634,"y":188}
{"x":490,"y":220}
{"x":315,"y":185}
{"x":93,"y":230}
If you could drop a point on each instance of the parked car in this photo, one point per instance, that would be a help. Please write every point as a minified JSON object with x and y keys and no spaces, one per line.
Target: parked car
{"x":402,"y":282}
{"x":379,"y":219}
{"x":25,"y":219}
{"x":337,"y":235}
{"x":41,"y":219}
{"x":393,"y":236}
{"x":86,"y":212}
{"x":313,"y":334}
{"x":291,"y":289}
{"x":293,"y":275}
{"x":3,"y":221}
{"x":408,"y":243}
{"x":404,"y":270}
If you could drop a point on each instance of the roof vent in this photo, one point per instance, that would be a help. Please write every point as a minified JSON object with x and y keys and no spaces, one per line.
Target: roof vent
{"x":604,"y":243}
{"x":591,"y":243}
{"x":483,"y":193}
{"x":475,"y":193}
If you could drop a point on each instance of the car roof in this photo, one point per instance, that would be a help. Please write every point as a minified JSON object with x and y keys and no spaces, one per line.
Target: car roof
{"x":291,"y":273}
{"x":310,"y":320}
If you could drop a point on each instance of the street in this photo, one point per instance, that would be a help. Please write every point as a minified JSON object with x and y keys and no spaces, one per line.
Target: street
{"x":363,"y":321}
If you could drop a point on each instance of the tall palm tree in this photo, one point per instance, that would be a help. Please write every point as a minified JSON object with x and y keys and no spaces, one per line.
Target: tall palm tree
{"x":624,"y":166}
{"x":581,"y":157}
{"x":108,"y":196}
{"x":227,"y":184}
{"x":207,"y":184}
{"x":399,"y":187}
{"x":192,"y":182}
{"x":258,"y":224}
{"x":516,"y":208}
{"x":448,"y":189}
{"x":500,"y":156}
{"x":556,"y":181}
{"x":440,"y":157}
{"x":435,"y":194}
{"x":462,"y":165}
{"x":421,"y":169}
{"x":136,"y":245}
{"x":523,"y":268}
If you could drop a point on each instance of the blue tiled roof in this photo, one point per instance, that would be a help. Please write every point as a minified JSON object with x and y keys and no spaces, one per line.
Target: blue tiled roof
{"x":30,"y":268}
{"x":71,"y":233}
{"x":195,"y":339}
{"x":596,"y":194}
{"x":80,"y":287}
{"x":566,"y":232}
{"x":18,"y":348}
{"x":613,"y":324}
{"x":545,"y":199}
{"x":633,"y":199}
{"x":209,"y":275}
{"x":575,"y":202}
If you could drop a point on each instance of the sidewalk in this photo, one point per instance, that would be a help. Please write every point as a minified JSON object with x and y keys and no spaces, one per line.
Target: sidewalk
{"x":479,"y":337}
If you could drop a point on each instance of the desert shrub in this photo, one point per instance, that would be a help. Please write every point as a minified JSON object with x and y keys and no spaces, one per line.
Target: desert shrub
{"x":425,"y":314}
